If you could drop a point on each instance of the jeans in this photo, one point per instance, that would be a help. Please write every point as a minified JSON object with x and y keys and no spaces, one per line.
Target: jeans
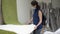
{"x":37,"y":31}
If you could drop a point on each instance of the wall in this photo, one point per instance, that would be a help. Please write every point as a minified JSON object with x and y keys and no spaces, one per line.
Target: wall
{"x":0,"y":14}
{"x":54,"y":15}
{"x":46,"y":1}
{"x":55,"y":3}
{"x":23,"y":10}
{"x":9,"y":11}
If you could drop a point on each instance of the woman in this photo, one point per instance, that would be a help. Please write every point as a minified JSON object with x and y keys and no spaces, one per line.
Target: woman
{"x":37,"y":17}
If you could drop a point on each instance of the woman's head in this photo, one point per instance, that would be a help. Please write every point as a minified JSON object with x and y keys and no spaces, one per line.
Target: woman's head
{"x":35,"y":4}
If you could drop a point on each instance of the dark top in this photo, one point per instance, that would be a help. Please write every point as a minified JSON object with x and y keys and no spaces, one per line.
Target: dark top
{"x":36,"y":18}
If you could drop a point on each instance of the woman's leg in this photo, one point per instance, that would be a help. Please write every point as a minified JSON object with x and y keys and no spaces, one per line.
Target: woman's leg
{"x":37,"y":31}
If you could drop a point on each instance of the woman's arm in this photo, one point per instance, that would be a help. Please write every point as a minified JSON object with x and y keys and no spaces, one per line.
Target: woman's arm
{"x":40,"y":17}
{"x":30,"y":21}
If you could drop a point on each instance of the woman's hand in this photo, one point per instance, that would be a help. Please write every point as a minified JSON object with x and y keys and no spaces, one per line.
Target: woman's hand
{"x":35,"y":27}
{"x":28,"y":22}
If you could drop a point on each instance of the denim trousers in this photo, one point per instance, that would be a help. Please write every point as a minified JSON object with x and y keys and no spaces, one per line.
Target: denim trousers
{"x":38,"y":31}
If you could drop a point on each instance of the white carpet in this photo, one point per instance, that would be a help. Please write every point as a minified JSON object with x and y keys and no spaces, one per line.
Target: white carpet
{"x":19,"y":29}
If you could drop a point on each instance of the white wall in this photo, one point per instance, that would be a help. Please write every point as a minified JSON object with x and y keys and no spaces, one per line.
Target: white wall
{"x":23,"y":10}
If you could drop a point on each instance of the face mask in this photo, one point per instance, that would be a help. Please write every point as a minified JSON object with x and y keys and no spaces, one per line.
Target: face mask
{"x":33,"y":8}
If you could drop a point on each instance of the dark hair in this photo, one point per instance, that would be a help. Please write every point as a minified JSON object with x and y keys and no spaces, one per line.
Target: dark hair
{"x":33,"y":3}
